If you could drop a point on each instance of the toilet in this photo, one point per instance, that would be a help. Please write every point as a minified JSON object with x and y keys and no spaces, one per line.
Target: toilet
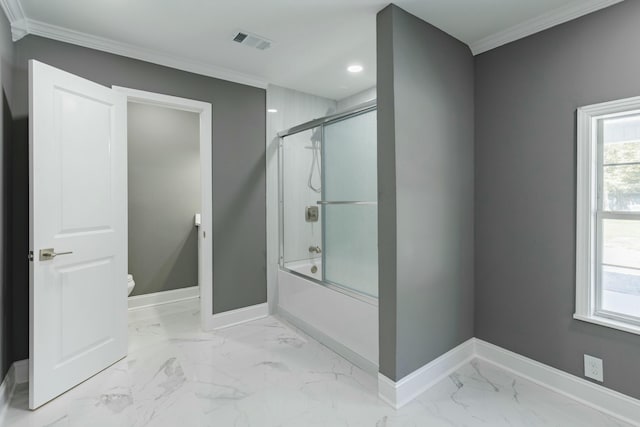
{"x":130,"y":284}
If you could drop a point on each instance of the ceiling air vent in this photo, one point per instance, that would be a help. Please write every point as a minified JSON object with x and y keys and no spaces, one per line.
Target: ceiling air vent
{"x":252,"y":40}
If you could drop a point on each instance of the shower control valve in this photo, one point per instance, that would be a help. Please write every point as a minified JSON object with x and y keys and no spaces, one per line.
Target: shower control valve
{"x":311,"y":214}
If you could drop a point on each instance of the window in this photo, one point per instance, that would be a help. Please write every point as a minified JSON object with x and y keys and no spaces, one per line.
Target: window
{"x":608,"y":215}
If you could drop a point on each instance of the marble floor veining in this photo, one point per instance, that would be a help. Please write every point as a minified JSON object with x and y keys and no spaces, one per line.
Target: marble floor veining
{"x":265,"y":373}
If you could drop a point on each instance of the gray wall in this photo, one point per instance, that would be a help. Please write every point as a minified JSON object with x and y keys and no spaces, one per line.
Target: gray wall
{"x":526,"y":98}
{"x":425,"y":181}
{"x":238,"y":165}
{"x":6,"y":294}
{"x":164,"y":195}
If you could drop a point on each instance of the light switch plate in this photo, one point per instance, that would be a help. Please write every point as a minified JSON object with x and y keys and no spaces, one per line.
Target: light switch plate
{"x":593,"y":368}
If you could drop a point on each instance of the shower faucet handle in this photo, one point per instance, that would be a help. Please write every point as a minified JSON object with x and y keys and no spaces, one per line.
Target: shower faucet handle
{"x":315,"y":249}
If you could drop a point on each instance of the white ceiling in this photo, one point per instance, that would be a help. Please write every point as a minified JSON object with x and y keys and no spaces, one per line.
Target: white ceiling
{"x":314,"y":40}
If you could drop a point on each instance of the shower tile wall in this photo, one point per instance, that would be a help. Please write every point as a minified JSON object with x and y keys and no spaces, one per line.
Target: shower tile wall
{"x":357,"y":99}
{"x":301,"y":180}
{"x":293,"y":108}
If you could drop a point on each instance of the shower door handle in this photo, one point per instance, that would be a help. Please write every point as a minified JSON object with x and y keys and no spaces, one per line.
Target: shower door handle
{"x":340,"y":202}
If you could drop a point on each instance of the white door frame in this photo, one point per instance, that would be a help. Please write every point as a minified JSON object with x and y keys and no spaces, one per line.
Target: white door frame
{"x":205,"y":231}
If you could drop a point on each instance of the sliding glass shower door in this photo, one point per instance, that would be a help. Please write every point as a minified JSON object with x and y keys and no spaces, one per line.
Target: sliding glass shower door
{"x":328,"y":202}
{"x":349,"y":203}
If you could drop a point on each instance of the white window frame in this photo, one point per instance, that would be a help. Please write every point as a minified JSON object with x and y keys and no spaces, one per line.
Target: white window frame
{"x":588,"y":182}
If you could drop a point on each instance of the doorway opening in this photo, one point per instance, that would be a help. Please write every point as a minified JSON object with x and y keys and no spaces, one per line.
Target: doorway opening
{"x":163,"y":184}
{"x":169,"y":200}
{"x":78,"y":222}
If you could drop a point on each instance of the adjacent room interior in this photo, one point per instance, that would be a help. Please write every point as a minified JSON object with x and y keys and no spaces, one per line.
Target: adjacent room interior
{"x":163,"y":183}
{"x":311,"y":213}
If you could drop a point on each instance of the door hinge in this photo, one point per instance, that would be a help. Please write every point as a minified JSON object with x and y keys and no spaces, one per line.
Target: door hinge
{"x":30,"y":256}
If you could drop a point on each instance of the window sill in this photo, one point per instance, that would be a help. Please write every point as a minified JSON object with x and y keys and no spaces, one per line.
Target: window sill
{"x":610,"y":323}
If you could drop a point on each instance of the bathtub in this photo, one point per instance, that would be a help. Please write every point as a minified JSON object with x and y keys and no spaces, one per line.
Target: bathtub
{"x":346,"y":324}
{"x":305,"y":268}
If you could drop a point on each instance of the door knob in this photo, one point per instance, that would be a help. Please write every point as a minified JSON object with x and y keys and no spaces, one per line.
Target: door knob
{"x":49,"y":254}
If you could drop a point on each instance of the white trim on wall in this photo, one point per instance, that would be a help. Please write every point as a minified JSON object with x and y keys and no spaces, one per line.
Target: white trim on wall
{"x":605,"y":400}
{"x":13,"y":10}
{"x":16,"y":17}
{"x":593,"y":395}
{"x":587,"y":210}
{"x":165,"y":297}
{"x":22,"y":26}
{"x":543,"y":22}
{"x":18,"y":373}
{"x":205,"y":230}
{"x":6,"y":391}
{"x":397,"y":394}
{"x":21,"y":371}
{"x":236,"y":317}
{"x":585,"y":207}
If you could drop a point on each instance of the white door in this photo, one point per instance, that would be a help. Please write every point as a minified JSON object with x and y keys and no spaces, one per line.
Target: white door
{"x":78,"y":210}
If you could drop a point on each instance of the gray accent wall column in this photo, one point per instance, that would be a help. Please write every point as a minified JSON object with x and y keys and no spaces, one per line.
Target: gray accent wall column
{"x":425,"y":179}
{"x":527,"y":93}
{"x":387,"y":289}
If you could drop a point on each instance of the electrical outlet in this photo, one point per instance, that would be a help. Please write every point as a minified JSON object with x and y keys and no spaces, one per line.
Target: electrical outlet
{"x":593,"y":368}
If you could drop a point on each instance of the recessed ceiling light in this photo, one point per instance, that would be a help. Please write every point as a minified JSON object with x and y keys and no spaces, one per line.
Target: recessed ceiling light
{"x":272,"y":110}
{"x":355,"y":68}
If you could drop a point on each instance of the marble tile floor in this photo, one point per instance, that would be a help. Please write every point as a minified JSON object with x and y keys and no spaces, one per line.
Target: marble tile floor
{"x":265,"y":373}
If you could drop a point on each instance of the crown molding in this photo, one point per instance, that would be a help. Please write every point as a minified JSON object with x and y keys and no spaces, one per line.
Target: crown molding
{"x":558,"y":16}
{"x":15,"y":14}
{"x":21,"y":26}
{"x":19,"y":29}
{"x":129,"y":50}
{"x":13,"y":10}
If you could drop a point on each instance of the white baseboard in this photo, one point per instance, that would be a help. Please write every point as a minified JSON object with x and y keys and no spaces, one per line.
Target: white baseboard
{"x":6,"y":391}
{"x":398,"y":394}
{"x":613,"y":403}
{"x":166,"y":297}
{"x":18,"y":373}
{"x":21,"y":371}
{"x":236,"y":317}
{"x":596,"y":396}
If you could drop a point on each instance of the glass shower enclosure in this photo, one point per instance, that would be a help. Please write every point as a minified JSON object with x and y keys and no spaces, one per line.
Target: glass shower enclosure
{"x":328,"y":202}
